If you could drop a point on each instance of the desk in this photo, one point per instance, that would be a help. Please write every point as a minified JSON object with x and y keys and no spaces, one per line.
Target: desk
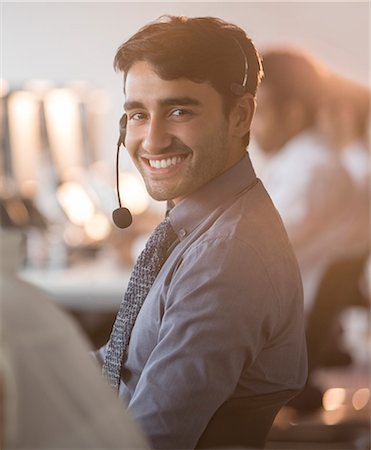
{"x":95,"y":286}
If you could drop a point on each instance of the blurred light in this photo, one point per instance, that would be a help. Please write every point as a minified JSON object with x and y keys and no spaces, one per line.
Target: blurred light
{"x":22,"y":102}
{"x":75,"y":203}
{"x":24,"y":134}
{"x":360,"y":398}
{"x":334,"y":417}
{"x":133,"y":193}
{"x":333,"y":398}
{"x":62,"y":117}
{"x":4,"y":87}
{"x":98,"y":227}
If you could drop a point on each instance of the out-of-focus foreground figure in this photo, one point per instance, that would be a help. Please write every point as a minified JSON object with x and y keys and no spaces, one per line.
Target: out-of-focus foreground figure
{"x":51,"y":391}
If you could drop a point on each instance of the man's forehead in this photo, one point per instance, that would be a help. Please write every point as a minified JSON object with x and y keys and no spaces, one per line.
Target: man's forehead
{"x":143,"y":71}
{"x":143,"y":85}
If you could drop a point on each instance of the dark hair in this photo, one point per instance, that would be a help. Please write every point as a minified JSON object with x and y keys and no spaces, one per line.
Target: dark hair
{"x":201,"y":49}
{"x":293,"y":75}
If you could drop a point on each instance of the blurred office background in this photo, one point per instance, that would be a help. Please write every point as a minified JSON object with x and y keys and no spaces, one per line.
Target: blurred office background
{"x":60,"y":106}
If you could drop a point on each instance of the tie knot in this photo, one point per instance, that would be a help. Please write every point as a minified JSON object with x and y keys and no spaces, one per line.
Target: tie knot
{"x":165,"y":228}
{"x":162,"y":237}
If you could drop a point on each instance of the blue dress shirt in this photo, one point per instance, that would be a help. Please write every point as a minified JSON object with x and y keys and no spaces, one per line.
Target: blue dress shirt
{"x":220,"y":338}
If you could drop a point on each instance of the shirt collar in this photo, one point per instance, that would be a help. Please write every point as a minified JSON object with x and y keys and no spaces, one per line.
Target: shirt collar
{"x":186,"y":215}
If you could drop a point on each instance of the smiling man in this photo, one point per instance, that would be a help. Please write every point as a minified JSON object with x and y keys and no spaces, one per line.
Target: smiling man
{"x":216,"y":346}
{"x":189,"y":140}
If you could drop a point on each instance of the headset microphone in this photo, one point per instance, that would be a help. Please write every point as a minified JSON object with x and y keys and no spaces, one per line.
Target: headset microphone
{"x":121,"y":216}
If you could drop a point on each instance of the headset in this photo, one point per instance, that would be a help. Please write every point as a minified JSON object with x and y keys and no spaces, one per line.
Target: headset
{"x":237,"y":88}
{"x":121,"y":216}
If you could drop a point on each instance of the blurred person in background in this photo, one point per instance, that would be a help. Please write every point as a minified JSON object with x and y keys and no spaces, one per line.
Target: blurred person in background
{"x":306,"y":179}
{"x":52,"y":395}
{"x":343,"y":121}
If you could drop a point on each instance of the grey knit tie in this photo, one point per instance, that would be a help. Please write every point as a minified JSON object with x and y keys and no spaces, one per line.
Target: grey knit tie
{"x":144,"y":274}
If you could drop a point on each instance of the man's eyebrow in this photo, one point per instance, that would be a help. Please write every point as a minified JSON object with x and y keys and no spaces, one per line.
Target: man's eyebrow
{"x":133,"y":105}
{"x":170,"y":101}
{"x":181,"y":101}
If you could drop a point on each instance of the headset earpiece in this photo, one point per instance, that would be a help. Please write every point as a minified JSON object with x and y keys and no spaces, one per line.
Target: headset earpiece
{"x":122,"y":124}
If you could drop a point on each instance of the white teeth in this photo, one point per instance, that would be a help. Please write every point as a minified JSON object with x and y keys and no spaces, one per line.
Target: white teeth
{"x":155,"y":163}
{"x":164,"y":163}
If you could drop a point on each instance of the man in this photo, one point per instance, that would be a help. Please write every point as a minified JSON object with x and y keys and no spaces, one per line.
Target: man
{"x":218,"y":345}
{"x":306,"y":180}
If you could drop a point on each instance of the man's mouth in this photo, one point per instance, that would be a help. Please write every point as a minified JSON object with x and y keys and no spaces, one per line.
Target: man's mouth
{"x":164,"y":163}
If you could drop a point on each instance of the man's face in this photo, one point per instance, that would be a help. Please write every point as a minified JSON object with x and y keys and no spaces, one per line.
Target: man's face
{"x":177,"y":134}
{"x":268,"y":127}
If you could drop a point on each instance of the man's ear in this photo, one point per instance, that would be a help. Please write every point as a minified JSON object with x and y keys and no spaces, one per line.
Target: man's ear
{"x":242,"y":114}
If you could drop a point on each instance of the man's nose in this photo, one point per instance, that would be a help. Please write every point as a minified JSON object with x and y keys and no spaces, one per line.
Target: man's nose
{"x":157,"y":136}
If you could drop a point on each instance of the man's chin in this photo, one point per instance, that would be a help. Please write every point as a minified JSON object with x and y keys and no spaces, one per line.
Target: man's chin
{"x":160,"y":196}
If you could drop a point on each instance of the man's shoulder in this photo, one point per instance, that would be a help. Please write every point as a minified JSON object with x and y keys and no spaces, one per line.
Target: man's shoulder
{"x":249,"y":227}
{"x":245,"y":257}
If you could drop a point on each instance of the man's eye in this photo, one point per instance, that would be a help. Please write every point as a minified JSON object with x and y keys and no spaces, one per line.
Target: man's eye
{"x":137,"y":116}
{"x":179,"y":112}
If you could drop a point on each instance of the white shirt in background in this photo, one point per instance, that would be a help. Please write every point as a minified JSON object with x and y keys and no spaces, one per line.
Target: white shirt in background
{"x":317,"y":202}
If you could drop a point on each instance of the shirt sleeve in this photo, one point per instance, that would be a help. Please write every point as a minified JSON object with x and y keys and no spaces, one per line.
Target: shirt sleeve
{"x":214,"y":324}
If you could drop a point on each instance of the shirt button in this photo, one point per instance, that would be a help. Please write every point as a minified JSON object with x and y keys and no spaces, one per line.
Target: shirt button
{"x":182,"y":232}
